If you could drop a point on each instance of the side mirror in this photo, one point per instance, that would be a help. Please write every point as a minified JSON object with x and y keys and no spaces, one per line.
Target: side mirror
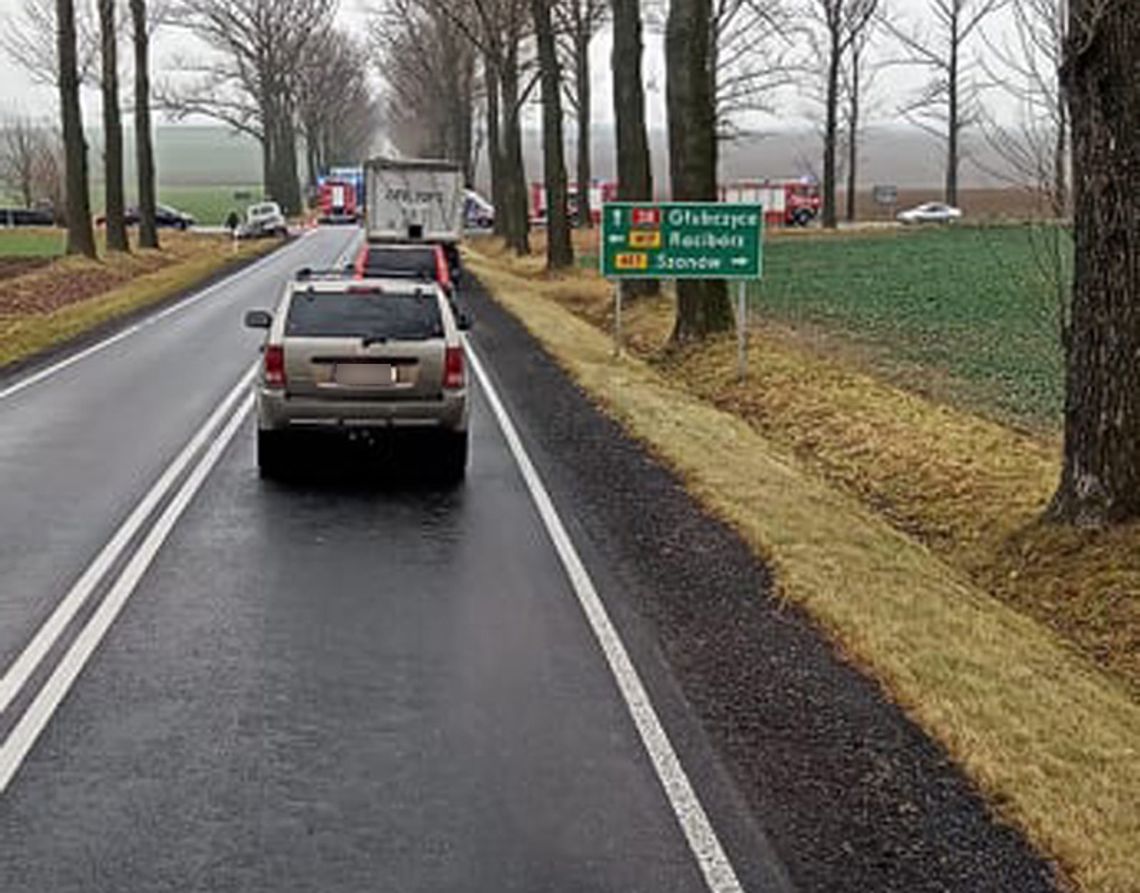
{"x":464,"y":320}
{"x":258,"y":319}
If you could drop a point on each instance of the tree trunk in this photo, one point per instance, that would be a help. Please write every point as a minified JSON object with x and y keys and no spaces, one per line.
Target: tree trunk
{"x":267,"y":171}
{"x":853,"y":133}
{"x":954,"y":128}
{"x":80,"y":238}
{"x":1100,"y":480}
{"x":635,"y":174}
{"x":112,"y":131}
{"x":830,"y":132}
{"x":495,"y":147}
{"x":703,"y":307}
{"x":289,"y":181}
{"x":144,"y":144}
{"x":1060,"y":162}
{"x":559,"y":252}
{"x":582,"y":86}
{"x":514,"y":171}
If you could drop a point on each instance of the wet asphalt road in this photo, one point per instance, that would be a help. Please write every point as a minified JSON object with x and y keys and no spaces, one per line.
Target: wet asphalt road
{"x":359,"y":681}
{"x":318,"y":685}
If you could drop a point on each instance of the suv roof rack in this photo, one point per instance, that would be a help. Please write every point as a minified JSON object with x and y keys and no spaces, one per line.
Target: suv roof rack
{"x":307,"y":274}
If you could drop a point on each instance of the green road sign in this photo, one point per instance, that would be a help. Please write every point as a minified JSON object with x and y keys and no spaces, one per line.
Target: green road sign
{"x":681,"y":240}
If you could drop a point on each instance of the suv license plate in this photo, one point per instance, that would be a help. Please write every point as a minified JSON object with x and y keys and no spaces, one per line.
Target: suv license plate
{"x":376,"y":374}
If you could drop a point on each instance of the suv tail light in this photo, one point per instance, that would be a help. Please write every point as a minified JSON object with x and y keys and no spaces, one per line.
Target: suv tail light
{"x":275,"y":366}
{"x":453,"y":368}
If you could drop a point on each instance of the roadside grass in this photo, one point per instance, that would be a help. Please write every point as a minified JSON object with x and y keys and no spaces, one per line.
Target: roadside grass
{"x":969,"y":488}
{"x":32,"y":242}
{"x":104,"y":290}
{"x":835,"y":477}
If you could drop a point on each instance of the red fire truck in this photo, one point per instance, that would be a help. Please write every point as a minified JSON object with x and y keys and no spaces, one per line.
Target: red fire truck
{"x":600,"y":191}
{"x":337,"y":202}
{"x":785,"y":202}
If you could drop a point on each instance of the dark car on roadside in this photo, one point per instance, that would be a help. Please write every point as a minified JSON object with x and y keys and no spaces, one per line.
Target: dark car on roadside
{"x":164,"y":216}
{"x":27,"y":217}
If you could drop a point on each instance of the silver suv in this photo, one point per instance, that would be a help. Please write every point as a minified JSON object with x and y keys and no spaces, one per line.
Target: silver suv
{"x":361,"y":357}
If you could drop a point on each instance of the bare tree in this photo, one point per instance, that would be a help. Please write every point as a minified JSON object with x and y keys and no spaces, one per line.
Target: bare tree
{"x":429,"y":69}
{"x":1100,"y":479}
{"x":703,"y":307}
{"x":635,"y":173}
{"x":500,"y":30}
{"x":28,"y":157}
{"x":29,"y":38}
{"x":559,"y":252}
{"x":112,"y":130}
{"x":141,"y":25}
{"x":750,"y":58}
{"x":1025,"y":65}
{"x":578,"y":23}
{"x":339,"y":115}
{"x":80,"y":238}
{"x":250,"y":80}
{"x":840,"y":24}
{"x":947,"y":105}
{"x":858,"y":78}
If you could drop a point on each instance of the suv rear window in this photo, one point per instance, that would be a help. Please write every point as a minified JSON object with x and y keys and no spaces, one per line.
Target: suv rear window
{"x":401,"y":262}
{"x":406,"y":317}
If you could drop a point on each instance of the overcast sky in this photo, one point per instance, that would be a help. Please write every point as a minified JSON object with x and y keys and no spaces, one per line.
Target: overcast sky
{"x":19,"y":94}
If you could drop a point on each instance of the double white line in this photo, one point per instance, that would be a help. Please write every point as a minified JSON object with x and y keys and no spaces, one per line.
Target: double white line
{"x":183,"y":477}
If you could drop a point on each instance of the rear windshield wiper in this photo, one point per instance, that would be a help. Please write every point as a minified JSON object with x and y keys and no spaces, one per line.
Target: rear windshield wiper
{"x":369,"y":340}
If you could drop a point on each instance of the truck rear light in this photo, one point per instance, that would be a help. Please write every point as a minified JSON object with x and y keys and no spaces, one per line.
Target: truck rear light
{"x":453,"y":368}
{"x":275,"y":366}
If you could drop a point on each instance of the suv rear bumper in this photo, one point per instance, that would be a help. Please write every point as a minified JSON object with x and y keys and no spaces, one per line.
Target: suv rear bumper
{"x":276,"y":411}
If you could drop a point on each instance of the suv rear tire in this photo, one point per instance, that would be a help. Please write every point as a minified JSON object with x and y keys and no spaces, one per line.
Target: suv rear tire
{"x":453,"y":457}
{"x":272,"y":454}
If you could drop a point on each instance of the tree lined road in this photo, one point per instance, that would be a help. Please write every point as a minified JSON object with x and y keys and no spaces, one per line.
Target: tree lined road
{"x":315,"y":686}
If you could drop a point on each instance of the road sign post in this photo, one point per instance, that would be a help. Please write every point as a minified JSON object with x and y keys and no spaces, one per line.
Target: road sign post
{"x":683,"y":240}
{"x":617,"y":317}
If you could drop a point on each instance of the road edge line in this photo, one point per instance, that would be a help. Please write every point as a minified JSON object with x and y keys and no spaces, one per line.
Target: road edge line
{"x":18,"y":673}
{"x":23,"y":737}
{"x":719,"y":875}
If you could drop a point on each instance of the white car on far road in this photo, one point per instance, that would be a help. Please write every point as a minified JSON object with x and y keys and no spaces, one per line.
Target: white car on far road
{"x":931,"y":212}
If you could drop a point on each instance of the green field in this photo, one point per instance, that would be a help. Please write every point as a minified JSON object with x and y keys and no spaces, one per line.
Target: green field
{"x":972,"y":306}
{"x":31,"y":242}
{"x":208,"y":205}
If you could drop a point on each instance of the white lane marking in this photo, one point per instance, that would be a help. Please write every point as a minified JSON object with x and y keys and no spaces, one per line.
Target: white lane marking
{"x":720,"y":877}
{"x":67,"y":362}
{"x":22,"y":738}
{"x":21,"y":670}
{"x":353,"y":246}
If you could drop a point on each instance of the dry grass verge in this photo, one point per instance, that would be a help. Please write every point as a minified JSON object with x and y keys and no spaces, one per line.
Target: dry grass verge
{"x":1050,"y":738}
{"x":969,"y":488}
{"x":71,"y":296}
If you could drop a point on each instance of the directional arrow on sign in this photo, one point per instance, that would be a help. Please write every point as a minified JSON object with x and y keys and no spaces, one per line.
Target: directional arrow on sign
{"x":740,"y":262}
{"x":617,"y":239}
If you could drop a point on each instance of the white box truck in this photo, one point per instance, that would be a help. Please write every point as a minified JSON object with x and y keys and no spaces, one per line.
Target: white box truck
{"x":414,"y":200}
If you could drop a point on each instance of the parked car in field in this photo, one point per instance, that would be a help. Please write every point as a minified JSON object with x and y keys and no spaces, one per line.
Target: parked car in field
{"x":164,"y":216}
{"x":27,"y":217}
{"x":361,"y":358}
{"x":931,"y":212}
{"x":263,"y":220}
